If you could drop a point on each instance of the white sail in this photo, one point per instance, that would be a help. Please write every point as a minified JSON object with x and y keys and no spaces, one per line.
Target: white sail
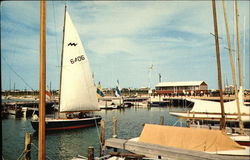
{"x":78,"y":92}
{"x":204,"y":106}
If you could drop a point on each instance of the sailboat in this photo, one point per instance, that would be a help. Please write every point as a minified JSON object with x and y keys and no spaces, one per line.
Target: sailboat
{"x":209,"y":111}
{"x":204,"y":110}
{"x":193,"y":139}
{"x":114,"y":102}
{"x":77,"y":90}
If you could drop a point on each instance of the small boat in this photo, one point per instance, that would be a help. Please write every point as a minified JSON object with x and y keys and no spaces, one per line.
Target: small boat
{"x":243,"y":140}
{"x":16,"y":111}
{"x":192,"y":139}
{"x":210,"y":111}
{"x":110,"y":103}
{"x":77,"y":89}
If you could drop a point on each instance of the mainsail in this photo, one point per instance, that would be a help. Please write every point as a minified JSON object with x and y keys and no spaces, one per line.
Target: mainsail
{"x":77,"y":91}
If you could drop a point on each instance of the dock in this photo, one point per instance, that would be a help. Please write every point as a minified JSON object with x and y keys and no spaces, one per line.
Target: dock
{"x":163,"y":152}
{"x":25,"y":108}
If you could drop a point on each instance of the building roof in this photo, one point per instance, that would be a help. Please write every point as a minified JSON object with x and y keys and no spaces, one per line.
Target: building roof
{"x":184,"y":83}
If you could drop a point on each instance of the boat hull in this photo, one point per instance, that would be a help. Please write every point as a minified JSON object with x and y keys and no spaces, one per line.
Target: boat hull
{"x":67,"y":124}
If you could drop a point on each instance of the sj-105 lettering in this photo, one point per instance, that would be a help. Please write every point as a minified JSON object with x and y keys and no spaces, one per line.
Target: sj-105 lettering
{"x":79,"y":58}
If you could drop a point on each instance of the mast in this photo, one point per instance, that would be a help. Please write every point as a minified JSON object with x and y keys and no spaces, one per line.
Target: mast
{"x":42,"y":85}
{"x":62,"y":59}
{"x":223,"y":122}
{"x":239,"y":65}
{"x":232,"y":68}
{"x":244,"y":51}
{"x":238,"y":43}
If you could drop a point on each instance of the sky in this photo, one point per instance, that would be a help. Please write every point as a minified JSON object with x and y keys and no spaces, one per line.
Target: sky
{"x":122,"y":39}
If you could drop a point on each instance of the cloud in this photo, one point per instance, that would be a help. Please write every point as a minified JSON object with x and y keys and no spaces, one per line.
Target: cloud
{"x":123,"y":37}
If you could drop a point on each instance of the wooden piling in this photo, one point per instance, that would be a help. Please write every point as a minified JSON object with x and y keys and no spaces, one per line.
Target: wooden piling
{"x":102,"y":137}
{"x":27,"y":146}
{"x":91,"y":153}
{"x":188,"y":120}
{"x":162,"y":120}
{"x":114,"y":127}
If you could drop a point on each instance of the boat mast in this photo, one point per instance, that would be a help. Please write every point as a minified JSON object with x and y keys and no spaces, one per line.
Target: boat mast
{"x":238,"y":42}
{"x":232,"y":67}
{"x":223,"y":122}
{"x":62,"y":59}
{"x":239,"y":65}
{"x":42,"y":85}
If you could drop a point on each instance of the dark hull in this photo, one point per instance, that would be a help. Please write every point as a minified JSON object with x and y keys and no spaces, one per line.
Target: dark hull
{"x":243,"y":143}
{"x":65,"y":124}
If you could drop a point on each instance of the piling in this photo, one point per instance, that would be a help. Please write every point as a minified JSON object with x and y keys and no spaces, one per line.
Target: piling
{"x":102,"y":137}
{"x":27,"y":146}
{"x":91,"y":153}
{"x":114,"y":127}
{"x":162,"y":120}
{"x":188,"y":120}
{"x":114,"y":130}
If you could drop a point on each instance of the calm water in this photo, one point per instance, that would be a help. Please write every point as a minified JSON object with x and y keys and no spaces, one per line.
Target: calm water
{"x":68,"y":144}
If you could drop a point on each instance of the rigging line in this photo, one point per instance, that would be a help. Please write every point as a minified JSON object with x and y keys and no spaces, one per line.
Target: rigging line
{"x":21,"y":156}
{"x":17,"y":74}
{"x":56,"y":32}
{"x":98,"y":133}
{"x":38,"y":151}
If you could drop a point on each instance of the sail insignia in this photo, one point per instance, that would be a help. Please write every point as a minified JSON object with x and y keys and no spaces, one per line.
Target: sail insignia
{"x":72,"y":44}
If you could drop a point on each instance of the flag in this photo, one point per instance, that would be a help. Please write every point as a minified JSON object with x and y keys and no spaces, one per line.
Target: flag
{"x":48,"y":94}
{"x":99,"y":90}
{"x":117,"y":90}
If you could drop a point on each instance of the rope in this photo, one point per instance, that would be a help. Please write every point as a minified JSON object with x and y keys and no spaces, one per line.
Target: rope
{"x":55,"y":32}
{"x":35,"y":146}
{"x":38,"y":150}
{"x":17,"y":73}
{"x":98,"y":133}
{"x":21,"y":156}
{"x":176,"y":122}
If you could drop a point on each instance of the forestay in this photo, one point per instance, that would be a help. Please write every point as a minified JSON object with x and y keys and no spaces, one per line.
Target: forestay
{"x":78,"y":91}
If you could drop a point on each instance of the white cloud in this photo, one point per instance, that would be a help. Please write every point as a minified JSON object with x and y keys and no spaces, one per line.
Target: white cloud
{"x":130,"y":35}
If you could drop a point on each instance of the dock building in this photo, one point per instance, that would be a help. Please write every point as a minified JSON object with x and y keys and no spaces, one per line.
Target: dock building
{"x":182,"y":88}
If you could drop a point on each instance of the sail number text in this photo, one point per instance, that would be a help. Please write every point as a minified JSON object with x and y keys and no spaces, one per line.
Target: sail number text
{"x":79,"y":58}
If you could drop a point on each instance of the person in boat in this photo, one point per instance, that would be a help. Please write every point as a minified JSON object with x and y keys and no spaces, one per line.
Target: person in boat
{"x":83,"y":115}
{"x":69,"y":116}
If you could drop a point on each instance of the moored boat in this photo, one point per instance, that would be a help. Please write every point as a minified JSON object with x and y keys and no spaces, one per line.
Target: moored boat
{"x":77,"y":89}
{"x":65,"y":124}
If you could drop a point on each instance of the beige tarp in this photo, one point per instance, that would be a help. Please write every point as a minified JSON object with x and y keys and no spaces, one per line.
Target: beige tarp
{"x":188,"y":138}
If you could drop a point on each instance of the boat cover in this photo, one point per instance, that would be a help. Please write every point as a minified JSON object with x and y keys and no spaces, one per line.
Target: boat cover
{"x":204,"y":106}
{"x":188,"y":138}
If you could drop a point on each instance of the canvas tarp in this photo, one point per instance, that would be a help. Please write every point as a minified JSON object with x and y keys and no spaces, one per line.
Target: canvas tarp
{"x":188,"y":138}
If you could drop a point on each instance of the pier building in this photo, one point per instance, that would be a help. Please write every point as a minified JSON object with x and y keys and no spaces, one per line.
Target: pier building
{"x":182,"y":88}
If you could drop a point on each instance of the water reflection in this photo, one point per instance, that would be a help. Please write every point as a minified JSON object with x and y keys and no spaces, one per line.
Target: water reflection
{"x":70,"y":143}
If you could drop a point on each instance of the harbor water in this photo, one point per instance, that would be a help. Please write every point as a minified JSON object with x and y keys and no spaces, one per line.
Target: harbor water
{"x":70,"y":143}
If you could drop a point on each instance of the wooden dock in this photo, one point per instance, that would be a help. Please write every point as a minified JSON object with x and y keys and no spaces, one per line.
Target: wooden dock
{"x":163,"y":152}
